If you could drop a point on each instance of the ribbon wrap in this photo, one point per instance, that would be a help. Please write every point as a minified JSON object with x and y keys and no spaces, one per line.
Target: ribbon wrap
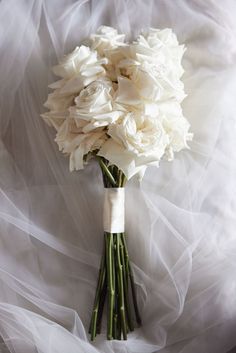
{"x":114,"y":210}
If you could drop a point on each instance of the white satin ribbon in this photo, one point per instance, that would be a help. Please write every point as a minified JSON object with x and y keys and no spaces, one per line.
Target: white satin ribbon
{"x":114,"y":210}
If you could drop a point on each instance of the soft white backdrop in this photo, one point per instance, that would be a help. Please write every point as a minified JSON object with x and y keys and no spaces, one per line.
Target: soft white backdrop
{"x":180,"y":221}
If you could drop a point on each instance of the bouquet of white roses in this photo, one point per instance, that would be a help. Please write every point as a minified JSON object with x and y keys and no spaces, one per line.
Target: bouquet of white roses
{"x":119,"y":102}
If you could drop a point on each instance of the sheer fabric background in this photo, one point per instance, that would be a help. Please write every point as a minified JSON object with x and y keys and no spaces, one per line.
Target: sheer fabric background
{"x":180,"y":220}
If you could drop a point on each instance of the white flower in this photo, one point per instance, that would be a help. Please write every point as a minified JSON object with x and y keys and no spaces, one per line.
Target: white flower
{"x":106,"y":38}
{"x":58,"y":105}
{"x":136,"y":141}
{"x":177,"y":128}
{"x":156,"y":38}
{"x":166,"y":41}
{"x":79,"y":69}
{"x":107,"y":42}
{"x":154,"y":69}
{"x":74,"y":142}
{"x":95,"y":105}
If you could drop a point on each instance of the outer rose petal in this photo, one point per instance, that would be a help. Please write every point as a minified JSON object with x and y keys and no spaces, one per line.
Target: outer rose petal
{"x":116,"y":154}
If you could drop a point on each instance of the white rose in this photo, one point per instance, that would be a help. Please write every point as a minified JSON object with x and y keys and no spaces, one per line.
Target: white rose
{"x":129,"y":96}
{"x":166,"y":41}
{"x":136,"y":141}
{"x":156,"y":38}
{"x":74,"y":142}
{"x":95,"y":106}
{"x":155,"y":71}
{"x":106,"y":38}
{"x":107,"y":42}
{"x":58,"y":105}
{"x":79,"y":69}
{"x":177,"y":128}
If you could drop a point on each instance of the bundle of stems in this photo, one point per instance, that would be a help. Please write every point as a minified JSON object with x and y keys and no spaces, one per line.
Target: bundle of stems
{"x":115,"y":280}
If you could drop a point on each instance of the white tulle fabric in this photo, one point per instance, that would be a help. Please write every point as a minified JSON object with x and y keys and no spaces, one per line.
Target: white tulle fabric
{"x":180,"y":221}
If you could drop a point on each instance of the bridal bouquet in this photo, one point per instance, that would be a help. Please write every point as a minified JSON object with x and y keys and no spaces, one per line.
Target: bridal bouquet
{"x":119,"y":103}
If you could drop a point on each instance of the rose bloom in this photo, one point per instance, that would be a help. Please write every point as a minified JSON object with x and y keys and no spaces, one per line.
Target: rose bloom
{"x":135,"y":141}
{"x":106,"y":38}
{"x":79,"y":69}
{"x":58,"y":105}
{"x":107,"y":42}
{"x":154,"y":69}
{"x":95,"y":105}
{"x":73,"y":141}
{"x":177,"y":129}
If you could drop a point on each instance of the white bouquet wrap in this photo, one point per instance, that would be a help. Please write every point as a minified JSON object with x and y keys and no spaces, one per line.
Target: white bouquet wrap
{"x":114,"y":210}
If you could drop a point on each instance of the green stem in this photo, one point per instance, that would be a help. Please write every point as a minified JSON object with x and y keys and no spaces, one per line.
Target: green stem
{"x":123,"y":180}
{"x":126,"y":287}
{"x":101,"y":305}
{"x":110,"y":283}
{"x":121,"y":289}
{"x":106,"y":171}
{"x":115,"y":315}
{"x":120,"y":179}
{"x":101,"y":280}
{"x":138,"y":318}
